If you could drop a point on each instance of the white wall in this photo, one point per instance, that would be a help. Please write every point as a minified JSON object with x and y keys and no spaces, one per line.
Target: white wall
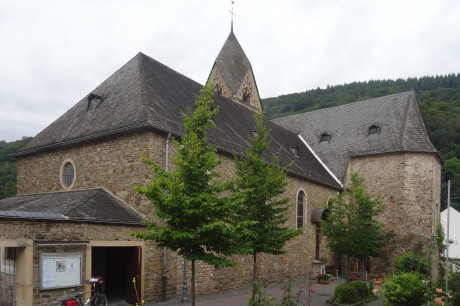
{"x":454,"y":231}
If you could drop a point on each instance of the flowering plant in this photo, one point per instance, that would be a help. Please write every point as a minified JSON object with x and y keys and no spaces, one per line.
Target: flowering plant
{"x":354,"y":277}
{"x":375,"y":285}
{"x":324,"y":276}
{"x":379,"y":279}
{"x":439,"y":298}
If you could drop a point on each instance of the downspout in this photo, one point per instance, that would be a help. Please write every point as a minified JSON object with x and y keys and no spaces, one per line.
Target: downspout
{"x":164,"y":272}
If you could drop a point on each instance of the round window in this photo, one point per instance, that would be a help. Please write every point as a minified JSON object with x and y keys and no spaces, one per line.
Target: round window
{"x":67,"y":174}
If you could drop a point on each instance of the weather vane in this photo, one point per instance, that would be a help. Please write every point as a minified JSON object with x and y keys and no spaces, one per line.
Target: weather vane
{"x":231,"y":12}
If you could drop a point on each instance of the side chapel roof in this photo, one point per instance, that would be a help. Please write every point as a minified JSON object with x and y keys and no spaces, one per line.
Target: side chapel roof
{"x":92,"y":205}
{"x":145,"y":94}
{"x":382,"y":125}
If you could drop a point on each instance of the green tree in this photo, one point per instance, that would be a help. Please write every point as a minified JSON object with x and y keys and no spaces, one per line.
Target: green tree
{"x":351,"y":228}
{"x":190,"y":198}
{"x":8,"y":166}
{"x":258,"y":188}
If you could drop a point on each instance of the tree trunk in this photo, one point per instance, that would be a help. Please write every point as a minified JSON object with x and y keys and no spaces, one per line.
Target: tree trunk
{"x":193,"y":282}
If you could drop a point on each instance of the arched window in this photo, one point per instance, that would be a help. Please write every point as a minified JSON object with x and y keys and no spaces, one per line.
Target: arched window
{"x":300,"y":208}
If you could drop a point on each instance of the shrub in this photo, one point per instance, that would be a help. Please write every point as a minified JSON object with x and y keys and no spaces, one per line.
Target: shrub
{"x":454,"y":285}
{"x":345,"y":294}
{"x":406,"y":289}
{"x":361,"y":289}
{"x":412,"y":263}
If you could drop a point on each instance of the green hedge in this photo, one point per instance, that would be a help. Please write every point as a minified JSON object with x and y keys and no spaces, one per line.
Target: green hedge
{"x":346,"y":294}
{"x":361,"y":289}
{"x":406,"y":289}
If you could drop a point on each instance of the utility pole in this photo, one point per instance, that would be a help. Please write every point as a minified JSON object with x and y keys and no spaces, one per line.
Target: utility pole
{"x":447,"y":234}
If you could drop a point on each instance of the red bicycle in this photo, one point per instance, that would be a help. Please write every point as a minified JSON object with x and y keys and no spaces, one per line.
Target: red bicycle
{"x":97,"y":292}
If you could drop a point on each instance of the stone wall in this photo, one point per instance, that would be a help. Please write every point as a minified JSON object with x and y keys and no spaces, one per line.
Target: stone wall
{"x":409,"y":185}
{"x":115,"y":164}
{"x":297,"y":262}
{"x":73,"y":231}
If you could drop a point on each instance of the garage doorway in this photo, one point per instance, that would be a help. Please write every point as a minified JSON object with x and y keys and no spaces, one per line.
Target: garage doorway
{"x":118,"y":266}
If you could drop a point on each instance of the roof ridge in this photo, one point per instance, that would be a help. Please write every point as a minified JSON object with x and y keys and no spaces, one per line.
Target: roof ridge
{"x":90,"y":196}
{"x":412,"y":103}
{"x":142,"y":81}
{"x":404,"y":127}
{"x":118,"y":199}
{"x":57,"y":192}
{"x":346,"y":104}
{"x":168,"y":68}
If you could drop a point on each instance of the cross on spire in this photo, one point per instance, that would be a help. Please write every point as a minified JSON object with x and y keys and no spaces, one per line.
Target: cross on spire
{"x":233,"y":14}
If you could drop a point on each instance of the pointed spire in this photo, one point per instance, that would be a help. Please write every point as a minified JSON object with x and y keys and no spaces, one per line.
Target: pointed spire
{"x":233,"y":14}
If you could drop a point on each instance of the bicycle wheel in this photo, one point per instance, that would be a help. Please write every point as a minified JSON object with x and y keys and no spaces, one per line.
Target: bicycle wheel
{"x":100,"y":300}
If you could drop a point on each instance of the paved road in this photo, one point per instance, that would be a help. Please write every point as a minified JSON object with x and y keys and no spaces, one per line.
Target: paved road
{"x":318,"y":296}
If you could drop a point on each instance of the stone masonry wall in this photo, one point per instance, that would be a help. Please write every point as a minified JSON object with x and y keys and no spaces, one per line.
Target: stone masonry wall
{"x":297,"y":261}
{"x":61,"y":231}
{"x":111,"y":163}
{"x":115,"y":164}
{"x":409,"y":185}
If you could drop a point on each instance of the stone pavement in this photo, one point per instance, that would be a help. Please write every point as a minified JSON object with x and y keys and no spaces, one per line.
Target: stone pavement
{"x":318,"y":296}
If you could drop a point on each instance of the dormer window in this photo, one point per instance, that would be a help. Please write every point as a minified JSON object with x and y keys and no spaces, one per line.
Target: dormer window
{"x":294,"y":150}
{"x":94,"y":101}
{"x":374,"y":130}
{"x":325,"y":138}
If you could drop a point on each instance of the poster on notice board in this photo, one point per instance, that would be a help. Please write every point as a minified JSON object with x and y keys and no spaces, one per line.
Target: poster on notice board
{"x":60,"y":270}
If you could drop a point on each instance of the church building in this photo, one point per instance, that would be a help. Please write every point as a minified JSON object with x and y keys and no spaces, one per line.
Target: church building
{"x":76,"y":203}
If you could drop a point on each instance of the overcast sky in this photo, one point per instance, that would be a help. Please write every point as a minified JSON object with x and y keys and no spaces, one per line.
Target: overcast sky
{"x":54,"y":52}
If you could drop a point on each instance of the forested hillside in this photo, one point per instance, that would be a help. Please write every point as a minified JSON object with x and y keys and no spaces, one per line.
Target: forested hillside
{"x":438,"y":97}
{"x":8,"y":167}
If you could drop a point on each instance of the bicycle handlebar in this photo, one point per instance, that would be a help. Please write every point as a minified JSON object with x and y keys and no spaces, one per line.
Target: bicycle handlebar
{"x":93,"y":280}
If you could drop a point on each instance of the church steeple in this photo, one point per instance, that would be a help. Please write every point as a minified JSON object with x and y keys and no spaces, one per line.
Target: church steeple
{"x":233,"y":14}
{"x":232,"y":75}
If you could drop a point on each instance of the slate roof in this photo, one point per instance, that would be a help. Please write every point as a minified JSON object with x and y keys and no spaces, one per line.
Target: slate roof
{"x":92,"y":205}
{"x":233,"y":63}
{"x":147,"y":94}
{"x":398,"y":116}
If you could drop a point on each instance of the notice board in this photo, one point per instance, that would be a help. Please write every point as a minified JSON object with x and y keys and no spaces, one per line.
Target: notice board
{"x":60,"y":270}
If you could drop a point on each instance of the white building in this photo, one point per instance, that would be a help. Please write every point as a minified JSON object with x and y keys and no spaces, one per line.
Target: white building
{"x":454,"y":233}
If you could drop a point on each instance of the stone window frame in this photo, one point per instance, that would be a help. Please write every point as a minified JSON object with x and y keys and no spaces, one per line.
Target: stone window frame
{"x":300,"y":220}
{"x":61,"y":174}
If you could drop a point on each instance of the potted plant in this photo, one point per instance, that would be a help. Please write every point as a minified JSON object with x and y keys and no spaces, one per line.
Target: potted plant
{"x":324,"y":278}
